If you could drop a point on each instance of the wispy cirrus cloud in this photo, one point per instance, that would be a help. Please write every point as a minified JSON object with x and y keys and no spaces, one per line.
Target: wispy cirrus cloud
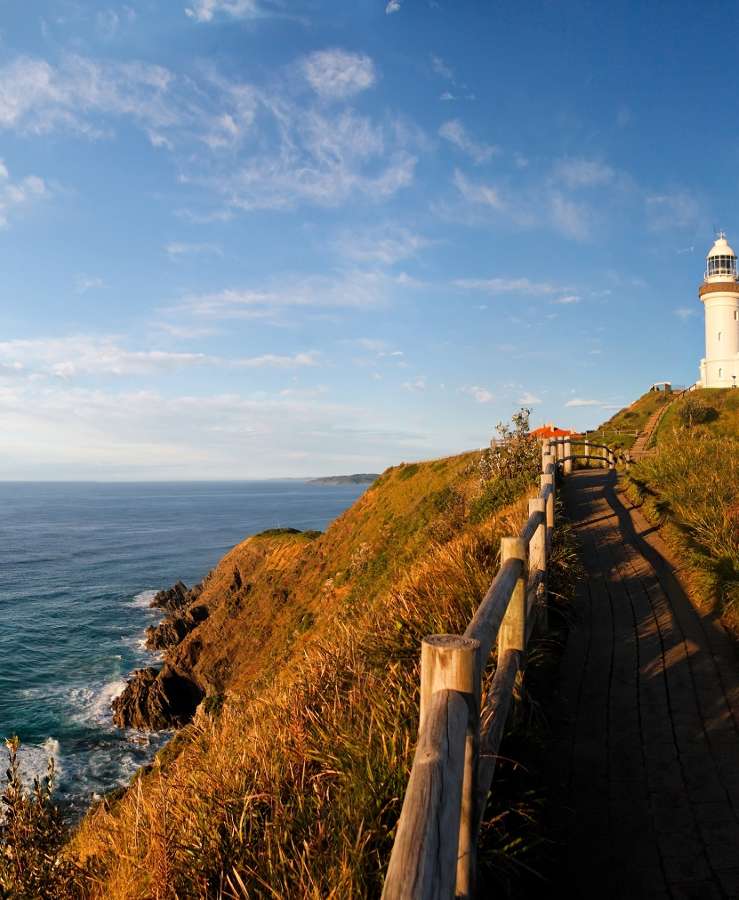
{"x":478,"y":394}
{"x":578,"y":172}
{"x":37,"y":97}
{"x":179,"y":249}
{"x":478,"y":193}
{"x":15,"y":195}
{"x":392,"y":7}
{"x":506,"y":286}
{"x":580,"y":401}
{"x":352,"y":290}
{"x":208,"y":10}
{"x":83,"y":355}
{"x":337,"y":74}
{"x":455,"y":132}
{"x":85,"y":283}
{"x":387,"y":244}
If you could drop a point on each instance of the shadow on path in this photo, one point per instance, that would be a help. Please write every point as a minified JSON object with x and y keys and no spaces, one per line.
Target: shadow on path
{"x":645,"y":763}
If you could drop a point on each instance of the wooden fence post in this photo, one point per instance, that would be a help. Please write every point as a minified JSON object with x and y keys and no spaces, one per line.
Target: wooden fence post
{"x":512,"y":634}
{"x":451,"y":663}
{"x":538,"y":558}
{"x":548,"y":481}
{"x":586,"y":453}
{"x":611,"y":460}
{"x":567,"y":452}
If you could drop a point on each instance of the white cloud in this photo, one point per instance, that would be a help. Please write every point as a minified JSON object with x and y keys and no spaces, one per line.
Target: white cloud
{"x":392,"y":7}
{"x":478,"y":394}
{"x":85,"y":283}
{"x":323,"y":159}
{"x":178,"y":249}
{"x":529,"y":399}
{"x":506,"y":285}
{"x":353,"y":290}
{"x":454,"y":132}
{"x":582,"y":173}
{"x":675,"y":210}
{"x":441,"y":68}
{"x":571,"y":218}
{"x":15,"y":195}
{"x":387,"y":245}
{"x":478,"y":193}
{"x":567,"y":300}
{"x":579,"y":401}
{"x":82,"y":355}
{"x":207,"y":10}
{"x":36,"y":97}
{"x":417,"y":385}
{"x":338,"y":74}
{"x":685,"y":312}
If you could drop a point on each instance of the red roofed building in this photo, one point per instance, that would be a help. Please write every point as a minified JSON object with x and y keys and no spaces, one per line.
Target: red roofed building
{"x":551,"y":431}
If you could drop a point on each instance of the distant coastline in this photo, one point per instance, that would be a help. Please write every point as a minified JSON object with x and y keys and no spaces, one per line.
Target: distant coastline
{"x":361,"y":478}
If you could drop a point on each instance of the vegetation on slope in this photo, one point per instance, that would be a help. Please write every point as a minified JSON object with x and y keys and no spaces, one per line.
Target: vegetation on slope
{"x":288,"y":783}
{"x":621,"y":429}
{"x":690,"y":486}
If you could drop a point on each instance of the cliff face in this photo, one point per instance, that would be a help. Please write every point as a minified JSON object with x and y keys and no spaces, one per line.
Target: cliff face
{"x":271,"y":591}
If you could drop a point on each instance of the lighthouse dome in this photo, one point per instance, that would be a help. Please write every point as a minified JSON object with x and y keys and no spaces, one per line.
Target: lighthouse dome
{"x":721,"y":260}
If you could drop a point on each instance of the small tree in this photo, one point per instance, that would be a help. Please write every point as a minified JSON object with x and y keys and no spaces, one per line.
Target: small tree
{"x":513,"y":453}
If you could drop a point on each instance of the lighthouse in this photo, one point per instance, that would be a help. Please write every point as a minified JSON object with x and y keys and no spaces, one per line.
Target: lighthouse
{"x":719,"y":294}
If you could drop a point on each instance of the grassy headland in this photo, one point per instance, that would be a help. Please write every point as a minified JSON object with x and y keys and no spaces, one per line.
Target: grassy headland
{"x":289,"y":780}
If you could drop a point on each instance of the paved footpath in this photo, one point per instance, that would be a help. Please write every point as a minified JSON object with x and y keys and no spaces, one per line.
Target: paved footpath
{"x":646,"y":751}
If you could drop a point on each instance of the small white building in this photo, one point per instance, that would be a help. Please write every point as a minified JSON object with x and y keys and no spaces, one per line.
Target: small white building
{"x":719,"y":294}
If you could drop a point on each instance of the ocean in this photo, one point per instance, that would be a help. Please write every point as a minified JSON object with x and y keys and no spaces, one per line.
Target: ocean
{"x":79,"y":563}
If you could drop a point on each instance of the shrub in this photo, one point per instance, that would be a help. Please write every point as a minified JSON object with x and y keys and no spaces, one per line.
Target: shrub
{"x":694,"y":411}
{"x":32,"y":835}
{"x":513,"y":453}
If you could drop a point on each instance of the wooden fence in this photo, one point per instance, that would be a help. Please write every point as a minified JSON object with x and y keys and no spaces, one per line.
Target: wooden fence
{"x":434,"y":854}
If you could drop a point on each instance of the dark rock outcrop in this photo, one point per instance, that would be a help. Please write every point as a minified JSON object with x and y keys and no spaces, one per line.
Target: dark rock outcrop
{"x":175,"y":627}
{"x":157,"y":698}
{"x":177,"y":597}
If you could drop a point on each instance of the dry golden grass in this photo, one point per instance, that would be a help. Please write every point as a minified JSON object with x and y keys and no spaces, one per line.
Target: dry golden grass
{"x":294,"y":790}
{"x":691,"y":486}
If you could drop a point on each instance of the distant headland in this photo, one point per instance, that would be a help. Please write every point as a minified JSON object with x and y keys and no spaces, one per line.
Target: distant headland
{"x":361,"y":478}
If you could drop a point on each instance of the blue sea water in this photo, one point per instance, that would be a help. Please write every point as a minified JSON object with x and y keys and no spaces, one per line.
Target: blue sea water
{"x":79,"y":564}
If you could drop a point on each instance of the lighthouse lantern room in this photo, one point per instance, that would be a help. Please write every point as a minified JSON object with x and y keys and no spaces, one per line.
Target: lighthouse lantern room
{"x":719,"y":294}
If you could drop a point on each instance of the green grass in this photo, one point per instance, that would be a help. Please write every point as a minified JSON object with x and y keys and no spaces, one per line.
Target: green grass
{"x":725,"y":401}
{"x":620,"y":430}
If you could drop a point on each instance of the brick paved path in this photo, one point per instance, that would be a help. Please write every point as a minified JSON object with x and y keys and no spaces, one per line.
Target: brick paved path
{"x":647,"y":743}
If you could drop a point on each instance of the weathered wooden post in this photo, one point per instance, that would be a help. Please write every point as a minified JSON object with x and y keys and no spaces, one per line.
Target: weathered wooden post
{"x":512,"y":633}
{"x":538,"y":557}
{"x":611,"y":460}
{"x":547,"y":480}
{"x":567,"y":453}
{"x":425,"y":853}
{"x":586,"y":453}
{"x":451,"y":663}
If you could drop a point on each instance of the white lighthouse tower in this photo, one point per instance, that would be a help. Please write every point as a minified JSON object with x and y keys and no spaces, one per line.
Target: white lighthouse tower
{"x":720,"y":296}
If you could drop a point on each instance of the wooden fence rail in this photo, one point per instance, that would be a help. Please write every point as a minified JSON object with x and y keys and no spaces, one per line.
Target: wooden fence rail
{"x":434,"y":854}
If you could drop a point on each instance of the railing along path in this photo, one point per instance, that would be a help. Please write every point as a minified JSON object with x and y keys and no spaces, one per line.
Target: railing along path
{"x":459,"y":736}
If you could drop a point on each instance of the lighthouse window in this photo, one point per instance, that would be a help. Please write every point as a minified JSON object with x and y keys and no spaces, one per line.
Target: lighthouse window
{"x":720,"y":373}
{"x":719,"y":335}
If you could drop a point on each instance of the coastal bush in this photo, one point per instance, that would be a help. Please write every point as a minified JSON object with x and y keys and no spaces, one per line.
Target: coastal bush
{"x":513,"y":454}
{"x":32,"y":837}
{"x":693,"y":411}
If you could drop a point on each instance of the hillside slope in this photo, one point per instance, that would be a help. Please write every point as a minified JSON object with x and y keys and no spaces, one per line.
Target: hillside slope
{"x":288,"y":781}
{"x":689,"y":488}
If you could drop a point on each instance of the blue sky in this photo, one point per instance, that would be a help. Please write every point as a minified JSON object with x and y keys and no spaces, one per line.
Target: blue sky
{"x":249,"y":238}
